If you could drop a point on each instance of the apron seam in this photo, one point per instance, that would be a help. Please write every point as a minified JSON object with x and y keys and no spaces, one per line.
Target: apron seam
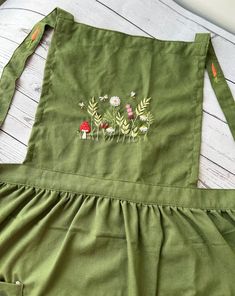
{"x":112,"y":197}
{"x":164,"y":185}
{"x":45,"y":93}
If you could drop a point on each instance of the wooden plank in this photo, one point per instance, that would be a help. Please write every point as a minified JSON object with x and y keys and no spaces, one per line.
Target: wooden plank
{"x":213,"y":176}
{"x":217,"y":143}
{"x":156,"y":19}
{"x":89,"y":12}
{"x":11,"y":151}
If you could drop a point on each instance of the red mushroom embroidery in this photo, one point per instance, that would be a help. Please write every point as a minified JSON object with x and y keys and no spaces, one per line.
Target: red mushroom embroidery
{"x":85,"y":128}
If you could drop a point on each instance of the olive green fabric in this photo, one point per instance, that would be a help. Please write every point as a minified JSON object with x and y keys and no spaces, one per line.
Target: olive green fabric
{"x":116,"y":213}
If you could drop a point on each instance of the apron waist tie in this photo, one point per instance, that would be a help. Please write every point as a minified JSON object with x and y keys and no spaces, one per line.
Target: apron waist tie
{"x":16,"y":64}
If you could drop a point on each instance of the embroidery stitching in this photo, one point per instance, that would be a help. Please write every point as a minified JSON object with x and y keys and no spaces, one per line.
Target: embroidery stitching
{"x":214,"y":72}
{"x":34,"y":36}
{"x":119,"y":119}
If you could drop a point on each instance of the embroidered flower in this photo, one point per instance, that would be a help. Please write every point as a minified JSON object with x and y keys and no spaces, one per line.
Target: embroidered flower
{"x":115,"y":101}
{"x":143,"y":129}
{"x":110,"y":130}
{"x":104,"y":125}
{"x":129,"y":111}
{"x":104,"y":98}
{"x":143,"y":118}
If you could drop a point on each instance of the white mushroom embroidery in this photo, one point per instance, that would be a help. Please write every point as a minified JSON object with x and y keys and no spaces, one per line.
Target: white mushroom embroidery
{"x":118,"y":119}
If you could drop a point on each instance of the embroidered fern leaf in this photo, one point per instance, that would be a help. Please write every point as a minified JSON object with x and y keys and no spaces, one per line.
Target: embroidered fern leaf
{"x":92,"y":106}
{"x":150,"y":117}
{"x":97,"y":119}
{"x":134,"y":132}
{"x":141,"y":107}
{"x":108,"y":116}
{"x":125,"y":127}
{"x":119,"y":119}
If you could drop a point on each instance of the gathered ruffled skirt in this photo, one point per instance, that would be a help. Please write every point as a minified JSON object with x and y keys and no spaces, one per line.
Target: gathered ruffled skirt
{"x":65,"y":243}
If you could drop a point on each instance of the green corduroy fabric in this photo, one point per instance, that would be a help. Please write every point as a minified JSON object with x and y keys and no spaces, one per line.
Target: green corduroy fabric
{"x":106,"y":201}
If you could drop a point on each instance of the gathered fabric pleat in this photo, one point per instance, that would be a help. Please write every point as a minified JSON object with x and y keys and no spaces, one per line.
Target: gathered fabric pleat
{"x":112,"y":247}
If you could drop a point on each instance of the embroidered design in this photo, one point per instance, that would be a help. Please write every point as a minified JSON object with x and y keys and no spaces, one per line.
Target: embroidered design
{"x":82,"y":105}
{"x":34,"y":36}
{"x":115,"y":118}
{"x":132,"y":95}
{"x":85,"y":128}
{"x":214,"y":72}
{"x":104,"y":98}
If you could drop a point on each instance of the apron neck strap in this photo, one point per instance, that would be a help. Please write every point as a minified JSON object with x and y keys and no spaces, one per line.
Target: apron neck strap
{"x":16,"y":64}
{"x":218,"y":81}
{"x":221,"y":88}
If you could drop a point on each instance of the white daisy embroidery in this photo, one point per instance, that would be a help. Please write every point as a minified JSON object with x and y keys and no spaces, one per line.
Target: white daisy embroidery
{"x":143,"y":118}
{"x":115,"y":101}
{"x":143,"y":129}
{"x":110,"y":130}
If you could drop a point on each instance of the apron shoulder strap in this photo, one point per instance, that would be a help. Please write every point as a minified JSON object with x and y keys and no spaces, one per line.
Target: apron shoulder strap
{"x":218,"y":82}
{"x":14,"y":68}
{"x":221,"y":88}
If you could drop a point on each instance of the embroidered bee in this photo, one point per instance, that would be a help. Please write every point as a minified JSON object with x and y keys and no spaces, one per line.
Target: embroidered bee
{"x":82,"y":105}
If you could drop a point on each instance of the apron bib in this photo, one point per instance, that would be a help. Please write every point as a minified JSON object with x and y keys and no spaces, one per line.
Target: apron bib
{"x":106,"y":200}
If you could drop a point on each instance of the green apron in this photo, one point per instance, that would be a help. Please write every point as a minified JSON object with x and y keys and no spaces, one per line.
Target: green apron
{"x":106,"y":201}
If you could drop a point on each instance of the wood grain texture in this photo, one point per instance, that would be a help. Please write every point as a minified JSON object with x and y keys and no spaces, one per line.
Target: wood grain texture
{"x":157,"y":19}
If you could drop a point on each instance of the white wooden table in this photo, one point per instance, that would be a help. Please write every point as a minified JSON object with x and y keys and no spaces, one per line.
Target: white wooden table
{"x":162,"y":19}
